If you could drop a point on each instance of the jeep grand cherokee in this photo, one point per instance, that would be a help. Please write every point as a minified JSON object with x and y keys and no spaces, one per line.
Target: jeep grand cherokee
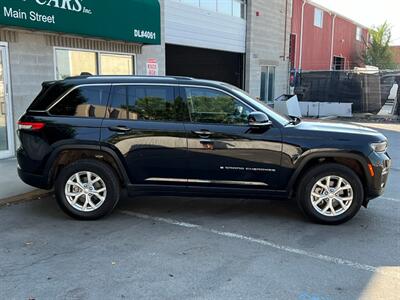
{"x":89,"y":137}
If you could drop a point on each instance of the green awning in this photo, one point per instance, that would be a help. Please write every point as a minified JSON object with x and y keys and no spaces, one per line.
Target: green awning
{"x":126,"y":20}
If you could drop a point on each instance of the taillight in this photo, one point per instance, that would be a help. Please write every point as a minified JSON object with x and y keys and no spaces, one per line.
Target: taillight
{"x":30,"y":125}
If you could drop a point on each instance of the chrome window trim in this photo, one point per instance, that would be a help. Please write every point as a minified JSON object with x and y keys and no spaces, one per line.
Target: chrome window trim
{"x":189,"y":180}
{"x":143,"y":84}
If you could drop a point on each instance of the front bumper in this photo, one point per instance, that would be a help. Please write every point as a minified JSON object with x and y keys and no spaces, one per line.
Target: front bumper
{"x":381,"y":163}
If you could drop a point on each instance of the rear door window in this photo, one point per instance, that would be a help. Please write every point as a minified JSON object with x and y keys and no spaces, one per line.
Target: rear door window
{"x":146,"y":103}
{"x":85,"y":101}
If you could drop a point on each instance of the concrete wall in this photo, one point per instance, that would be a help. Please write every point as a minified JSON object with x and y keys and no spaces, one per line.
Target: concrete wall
{"x":266,"y":43}
{"x":31,"y":63}
{"x":156,"y":52}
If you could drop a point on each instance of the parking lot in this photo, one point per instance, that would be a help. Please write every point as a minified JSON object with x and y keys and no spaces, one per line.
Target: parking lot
{"x":183,"y":248}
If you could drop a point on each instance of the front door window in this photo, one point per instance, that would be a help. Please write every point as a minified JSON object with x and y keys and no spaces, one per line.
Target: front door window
{"x":211,"y":106}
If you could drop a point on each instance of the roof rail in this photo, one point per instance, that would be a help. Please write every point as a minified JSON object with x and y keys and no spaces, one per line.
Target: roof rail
{"x":85,"y":75}
{"x":137,"y":76}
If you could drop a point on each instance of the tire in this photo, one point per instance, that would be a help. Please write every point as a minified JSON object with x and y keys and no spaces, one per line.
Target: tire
{"x":102,"y":201}
{"x":308,"y":201}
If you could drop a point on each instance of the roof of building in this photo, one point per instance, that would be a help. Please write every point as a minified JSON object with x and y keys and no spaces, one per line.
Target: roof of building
{"x":332,"y":12}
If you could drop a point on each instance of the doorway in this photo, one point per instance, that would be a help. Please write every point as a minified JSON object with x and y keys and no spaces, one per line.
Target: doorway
{"x":205,"y":64}
{"x":6,"y":126}
{"x":267,"y":89}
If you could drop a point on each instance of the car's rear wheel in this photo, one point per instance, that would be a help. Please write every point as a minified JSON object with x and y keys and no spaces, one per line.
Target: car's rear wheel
{"x":87,"y":189}
{"x":330,"y":194}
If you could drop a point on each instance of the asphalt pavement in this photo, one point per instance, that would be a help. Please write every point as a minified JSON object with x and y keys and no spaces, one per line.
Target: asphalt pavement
{"x":202,"y":248}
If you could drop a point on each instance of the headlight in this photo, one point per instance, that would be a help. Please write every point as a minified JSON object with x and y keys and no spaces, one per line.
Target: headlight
{"x":379,"y":147}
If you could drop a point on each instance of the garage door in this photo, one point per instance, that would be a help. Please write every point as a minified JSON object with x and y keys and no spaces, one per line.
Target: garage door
{"x":205,"y":64}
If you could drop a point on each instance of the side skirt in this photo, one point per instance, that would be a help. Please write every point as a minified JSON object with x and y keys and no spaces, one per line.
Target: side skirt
{"x":198,"y":191}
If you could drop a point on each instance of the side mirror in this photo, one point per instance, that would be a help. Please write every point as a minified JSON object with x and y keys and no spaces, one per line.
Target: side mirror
{"x":258,"y":120}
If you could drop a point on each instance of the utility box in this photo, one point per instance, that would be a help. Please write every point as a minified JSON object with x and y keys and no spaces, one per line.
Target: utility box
{"x":288,"y":105}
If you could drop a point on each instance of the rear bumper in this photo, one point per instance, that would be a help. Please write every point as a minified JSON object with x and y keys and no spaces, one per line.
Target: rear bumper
{"x":34,"y":180}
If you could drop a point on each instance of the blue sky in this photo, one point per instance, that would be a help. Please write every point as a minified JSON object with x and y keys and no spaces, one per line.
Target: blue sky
{"x":369,"y":12}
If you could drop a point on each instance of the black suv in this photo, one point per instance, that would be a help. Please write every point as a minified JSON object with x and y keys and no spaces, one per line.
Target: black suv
{"x":91,"y":136}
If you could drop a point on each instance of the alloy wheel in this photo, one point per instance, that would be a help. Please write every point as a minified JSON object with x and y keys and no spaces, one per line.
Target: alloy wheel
{"x":85,"y":191}
{"x":332,"y":196}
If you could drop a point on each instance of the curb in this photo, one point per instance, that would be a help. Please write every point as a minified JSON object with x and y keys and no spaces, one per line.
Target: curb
{"x":30,"y":196}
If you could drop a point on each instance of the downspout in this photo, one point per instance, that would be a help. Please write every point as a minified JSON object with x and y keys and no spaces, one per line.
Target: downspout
{"x":301,"y":34}
{"x":332,"y":41}
{"x":285,"y":37}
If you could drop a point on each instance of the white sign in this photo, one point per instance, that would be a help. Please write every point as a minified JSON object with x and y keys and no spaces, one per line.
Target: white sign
{"x":152,"y":67}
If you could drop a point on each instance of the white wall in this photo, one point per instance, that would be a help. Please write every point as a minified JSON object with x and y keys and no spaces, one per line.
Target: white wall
{"x":191,"y":26}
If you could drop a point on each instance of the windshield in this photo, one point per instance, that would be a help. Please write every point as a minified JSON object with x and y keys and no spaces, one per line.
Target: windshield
{"x":262,"y":106}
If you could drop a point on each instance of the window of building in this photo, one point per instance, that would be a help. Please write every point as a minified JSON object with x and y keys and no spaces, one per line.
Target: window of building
{"x":318,"y":17}
{"x":190,"y":2}
{"x":225,"y":7}
{"x":235,"y":8}
{"x":210,"y":106}
{"x":359,"y":34}
{"x":112,"y":64}
{"x":338,"y":63}
{"x":74,"y":62}
{"x":150,"y":103}
{"x":87,"y":101}
{"x":267,"y":91}
{"x":209,"y":4}
{"x":239,"y":9}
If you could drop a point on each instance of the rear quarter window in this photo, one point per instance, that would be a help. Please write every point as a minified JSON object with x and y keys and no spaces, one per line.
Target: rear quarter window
{"x":50,"y":92}
{"x":86,"y":101}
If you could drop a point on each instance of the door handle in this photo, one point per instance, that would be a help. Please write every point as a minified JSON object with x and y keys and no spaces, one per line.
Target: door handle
{"x":203,"y":133}
{"x":119,"y":128}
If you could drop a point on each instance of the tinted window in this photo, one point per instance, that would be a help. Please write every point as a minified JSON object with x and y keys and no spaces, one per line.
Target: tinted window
{"x":155,"y":103}
{"x":49,"y":93}
{"x":89,"y":101}
{"x":210,"y":106}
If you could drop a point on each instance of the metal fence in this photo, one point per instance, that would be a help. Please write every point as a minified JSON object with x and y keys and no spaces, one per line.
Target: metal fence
{"x":365,"y":92}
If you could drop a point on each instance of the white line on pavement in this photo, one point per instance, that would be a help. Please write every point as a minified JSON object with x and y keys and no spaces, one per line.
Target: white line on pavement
{"x":326,"y":258}
{"x":390,"y":199}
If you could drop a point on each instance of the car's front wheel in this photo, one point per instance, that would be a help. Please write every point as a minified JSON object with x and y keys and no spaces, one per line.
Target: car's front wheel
{"x":330,"y":194}
{"x":87,"y":189}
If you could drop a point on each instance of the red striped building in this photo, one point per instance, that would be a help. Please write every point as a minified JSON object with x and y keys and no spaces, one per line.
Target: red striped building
{"x":324,"y":40}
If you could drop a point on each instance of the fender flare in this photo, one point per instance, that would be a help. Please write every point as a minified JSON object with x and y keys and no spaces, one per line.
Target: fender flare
{"x":49,"y":167}
{"x":306,"y":159}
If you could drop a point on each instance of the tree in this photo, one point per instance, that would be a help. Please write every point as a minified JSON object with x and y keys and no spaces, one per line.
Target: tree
{"x":378,"y":51}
